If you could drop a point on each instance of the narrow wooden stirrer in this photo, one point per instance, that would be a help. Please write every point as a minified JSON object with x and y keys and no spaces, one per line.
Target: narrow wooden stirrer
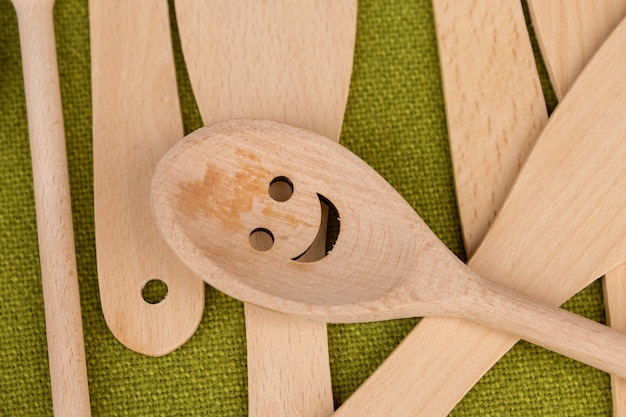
{"x":614,"y":294}
{"x":136,"y":118}
{"x":569,"y":33}
{"x":446,"y":345}
{"x":64,"y":330}
{"x":292,"y":62}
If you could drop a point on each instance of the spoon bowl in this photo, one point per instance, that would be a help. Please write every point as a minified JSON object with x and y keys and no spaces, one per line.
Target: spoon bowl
{"x":212,"y":197}
{"x":209,"y":207}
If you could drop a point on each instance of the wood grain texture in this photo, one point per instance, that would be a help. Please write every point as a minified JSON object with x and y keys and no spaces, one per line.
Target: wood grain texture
{"x":569,"y":33}
{"x":211,"y":190}
{"x":281,"y":60}
{"x":485,"y":51}
{"x":55,"y":233}
{"x":136,"y":118}
{"x":291,"y":62}
{"x":614,"y":293}
{"x":561,"y":200}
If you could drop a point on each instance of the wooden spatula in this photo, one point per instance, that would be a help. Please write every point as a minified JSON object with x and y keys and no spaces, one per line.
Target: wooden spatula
{"x":290,"y":62}
{"x":569,"y":33}
{"x":539,"y":244}
{"x":136,"y":118}
{"x":494,"y":105}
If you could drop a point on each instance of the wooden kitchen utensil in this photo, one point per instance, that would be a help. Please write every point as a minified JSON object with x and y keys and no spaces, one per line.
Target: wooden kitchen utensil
{"x":136,"y":118}
{"x":291,"y":62}
{"x":521,"y":252}
{"x":569,"y":33}
{"x":55,"y":233}
{"x":485,"y":51}
{"x":614,"y":294}
{"x":212,"y":193}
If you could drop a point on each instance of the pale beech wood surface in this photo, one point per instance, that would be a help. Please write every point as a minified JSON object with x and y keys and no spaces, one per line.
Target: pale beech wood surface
{"x":569,"y":33}
{"x":55,"y":233}
{"x":291,"y":62}
{"x":485,"y":51}
{"x":136,"y":118}
{"x":614,"y":293}
{"x":211,"y":190}
{"x":520,"y":250}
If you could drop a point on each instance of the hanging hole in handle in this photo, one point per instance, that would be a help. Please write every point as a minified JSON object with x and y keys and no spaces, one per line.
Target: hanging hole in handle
{"x":154,"y":291}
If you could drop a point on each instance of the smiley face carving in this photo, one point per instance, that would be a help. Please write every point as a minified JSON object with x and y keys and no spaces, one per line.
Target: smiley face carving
{"x":242,"y":202}
{"x":281,"y":189}
{"x":244,"y":207}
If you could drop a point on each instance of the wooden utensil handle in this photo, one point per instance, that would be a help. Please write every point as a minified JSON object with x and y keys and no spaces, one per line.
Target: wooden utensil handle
{"x":66,"y":353}
{"x":553,"y":328}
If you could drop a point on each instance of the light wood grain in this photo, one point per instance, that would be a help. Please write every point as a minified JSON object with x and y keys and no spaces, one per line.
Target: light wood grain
{"x":136,"y":118}
{"x":287,"y":61}
{"x":614,"y":293}
{"x":495,"y":111}
{"x":211,"y":190}
{"x":494,"y":104}
{"x":569,"y":33}
{"x":64,"y":330}
{"x":521,"y":249}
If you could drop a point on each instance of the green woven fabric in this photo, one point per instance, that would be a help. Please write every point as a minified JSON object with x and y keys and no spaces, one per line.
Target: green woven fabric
{"x":395,"y":120}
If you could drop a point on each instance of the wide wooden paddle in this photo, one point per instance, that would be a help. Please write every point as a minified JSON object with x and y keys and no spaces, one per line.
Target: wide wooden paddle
{"x":55,"y":231}
{"x":291,"y":62}
{"x":136,"y":118}
{"x":538,"y":245}
{"x":494,"y":105}
{"x":569,"y":33}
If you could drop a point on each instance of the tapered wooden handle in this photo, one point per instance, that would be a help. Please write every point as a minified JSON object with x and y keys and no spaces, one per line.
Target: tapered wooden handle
{"x":66,"y":353}
{"x":553,"y":328}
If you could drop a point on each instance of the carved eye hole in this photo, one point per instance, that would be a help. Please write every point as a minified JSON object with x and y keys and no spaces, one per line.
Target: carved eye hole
{"x":261,"y":239}
{"x":281,"y":189}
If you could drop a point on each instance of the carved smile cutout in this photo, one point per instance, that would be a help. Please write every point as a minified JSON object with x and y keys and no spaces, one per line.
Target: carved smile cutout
{"x":281,"y":189}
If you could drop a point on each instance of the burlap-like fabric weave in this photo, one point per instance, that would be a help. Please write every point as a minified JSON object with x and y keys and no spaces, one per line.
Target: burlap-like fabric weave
{"x":395,"y":120}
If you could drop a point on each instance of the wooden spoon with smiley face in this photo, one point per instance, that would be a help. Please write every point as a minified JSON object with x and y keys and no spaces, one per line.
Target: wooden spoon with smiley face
{"x":212,"y":197}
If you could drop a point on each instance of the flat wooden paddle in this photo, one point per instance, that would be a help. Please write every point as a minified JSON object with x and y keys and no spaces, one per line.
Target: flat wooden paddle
{"x":136,"y":118}
{"x":291,"y":62}
{"x":569,"y":33}
{"x":521,"y":251}
{"x":213,"y":191}
{"x":55,"y":232}
{"x":494,"y":104}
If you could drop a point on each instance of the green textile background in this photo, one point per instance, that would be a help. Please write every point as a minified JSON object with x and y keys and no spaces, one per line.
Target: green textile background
{"x":395,"y":120}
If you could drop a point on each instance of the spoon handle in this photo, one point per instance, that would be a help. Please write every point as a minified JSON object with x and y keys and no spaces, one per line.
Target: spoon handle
{"x":550,"y":327}
{"x":66,"y":352}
